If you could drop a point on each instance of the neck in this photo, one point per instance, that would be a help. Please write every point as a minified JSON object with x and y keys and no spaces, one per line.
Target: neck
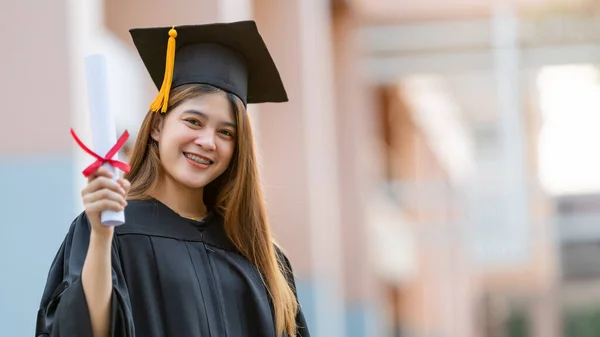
{"x":184,"y":201}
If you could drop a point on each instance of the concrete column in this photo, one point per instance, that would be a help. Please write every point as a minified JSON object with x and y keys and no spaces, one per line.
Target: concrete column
{"x":546,"y":315}
{"x":356,"y":120}
{"x":35,"y":154}
{"x":299,"y":155}
{"x":517,"y":221}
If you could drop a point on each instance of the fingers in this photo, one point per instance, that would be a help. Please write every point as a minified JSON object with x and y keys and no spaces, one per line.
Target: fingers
{"x":125,"y":184}
{"x":105,"y":194}
{"x":101,"y":172}
{"x":103,"y":205}
{"x":103,"y":182}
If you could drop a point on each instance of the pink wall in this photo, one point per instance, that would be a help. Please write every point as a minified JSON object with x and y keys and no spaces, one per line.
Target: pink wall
{"x":282,"y":135}
{"x":356,"y":120}
{"x":35,"y":73}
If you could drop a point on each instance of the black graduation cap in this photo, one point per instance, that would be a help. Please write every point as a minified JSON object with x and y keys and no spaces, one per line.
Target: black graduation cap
{"x":230,"y":56}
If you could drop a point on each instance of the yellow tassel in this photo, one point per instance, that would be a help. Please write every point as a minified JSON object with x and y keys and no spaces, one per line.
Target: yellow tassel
{"x":162,"y":99}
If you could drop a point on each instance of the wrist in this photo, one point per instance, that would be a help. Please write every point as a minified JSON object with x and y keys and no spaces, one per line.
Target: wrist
{"x":102,"y":235}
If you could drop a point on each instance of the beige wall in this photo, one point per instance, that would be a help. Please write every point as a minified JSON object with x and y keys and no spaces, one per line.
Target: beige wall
{"x":397,"y":11}
{"x":439,"y":299}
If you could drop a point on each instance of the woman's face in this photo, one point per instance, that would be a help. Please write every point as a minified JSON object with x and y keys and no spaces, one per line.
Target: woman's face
{"x":196,"y":140}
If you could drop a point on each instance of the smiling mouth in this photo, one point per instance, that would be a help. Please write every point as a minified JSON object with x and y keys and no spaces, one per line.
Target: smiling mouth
{"x":199,"y":160}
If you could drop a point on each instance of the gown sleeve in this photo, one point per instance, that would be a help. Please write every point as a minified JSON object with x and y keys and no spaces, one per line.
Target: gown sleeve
{"x":63,"y":310}
{"x":302,"y":327}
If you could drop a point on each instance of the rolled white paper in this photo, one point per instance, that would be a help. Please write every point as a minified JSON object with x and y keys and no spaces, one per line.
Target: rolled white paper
{"x":104,"y":135}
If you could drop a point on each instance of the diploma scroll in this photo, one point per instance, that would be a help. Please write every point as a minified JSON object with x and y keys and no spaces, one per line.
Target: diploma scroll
{"x":102,"y":123}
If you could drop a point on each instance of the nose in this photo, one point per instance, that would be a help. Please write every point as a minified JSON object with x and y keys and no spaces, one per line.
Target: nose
{"x":206,"y":140}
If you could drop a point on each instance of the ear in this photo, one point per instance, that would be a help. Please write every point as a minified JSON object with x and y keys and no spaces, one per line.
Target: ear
{"x":156,"y":128}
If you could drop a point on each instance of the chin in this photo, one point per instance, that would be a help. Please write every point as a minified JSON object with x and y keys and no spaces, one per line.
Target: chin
{"x":195,"y":179}
{"x":194,"y":182}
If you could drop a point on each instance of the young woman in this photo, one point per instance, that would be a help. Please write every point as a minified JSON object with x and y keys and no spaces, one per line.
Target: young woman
{"x":195,"y":256}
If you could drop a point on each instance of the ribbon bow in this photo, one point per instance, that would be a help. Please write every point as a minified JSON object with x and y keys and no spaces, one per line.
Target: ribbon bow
{"x":106,"y":159}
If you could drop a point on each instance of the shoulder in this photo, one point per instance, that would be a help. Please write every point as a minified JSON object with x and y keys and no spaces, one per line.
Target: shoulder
{"x":139,"y":214}
{"x":134,"y":210}
{"x":284,"y":263}
{"x":80,"y":228}
{"x":286,"y":268}
{"x":141,"y":207}
{"x":281,"y":257}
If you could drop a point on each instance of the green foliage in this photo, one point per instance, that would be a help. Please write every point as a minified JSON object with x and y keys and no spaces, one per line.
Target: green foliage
{"x":517,"y":324}
{"x":584,"y":322}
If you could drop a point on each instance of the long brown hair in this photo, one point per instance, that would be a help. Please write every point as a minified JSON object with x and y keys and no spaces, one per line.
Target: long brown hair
{"x":236,"y":195}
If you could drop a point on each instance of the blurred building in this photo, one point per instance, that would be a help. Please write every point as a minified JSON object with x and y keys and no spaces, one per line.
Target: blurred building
{"x":577,"y":225}
{"x":402,"y":177}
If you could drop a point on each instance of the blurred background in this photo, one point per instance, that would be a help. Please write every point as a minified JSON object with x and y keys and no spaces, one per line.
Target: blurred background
{"x":435,"y":173}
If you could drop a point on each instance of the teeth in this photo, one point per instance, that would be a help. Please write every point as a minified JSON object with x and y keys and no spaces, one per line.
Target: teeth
{"x":198,"y":159}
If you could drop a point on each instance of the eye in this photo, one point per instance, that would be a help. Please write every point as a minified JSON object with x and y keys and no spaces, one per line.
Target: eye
{"x":227,"y":133}
{"x":193,"y":122}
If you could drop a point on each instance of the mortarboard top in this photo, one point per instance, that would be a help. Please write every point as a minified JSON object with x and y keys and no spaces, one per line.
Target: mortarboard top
{"x":230,"y":56}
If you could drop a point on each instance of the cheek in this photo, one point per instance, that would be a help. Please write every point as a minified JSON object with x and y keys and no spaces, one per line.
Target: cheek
{"x":165,"y":152}
{"x":169,"y":152}
{"x":227,"y":151}
{"x":173,"y":139}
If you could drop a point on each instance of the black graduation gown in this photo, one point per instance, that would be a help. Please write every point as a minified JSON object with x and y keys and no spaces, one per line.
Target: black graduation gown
{"x":171,"y":277}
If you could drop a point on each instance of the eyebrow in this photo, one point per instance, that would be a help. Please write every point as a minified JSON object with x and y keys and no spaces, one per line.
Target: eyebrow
{"x":205,"y":116}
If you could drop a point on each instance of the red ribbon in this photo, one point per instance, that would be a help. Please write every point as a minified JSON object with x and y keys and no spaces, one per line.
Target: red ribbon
{"x":106,"y":159}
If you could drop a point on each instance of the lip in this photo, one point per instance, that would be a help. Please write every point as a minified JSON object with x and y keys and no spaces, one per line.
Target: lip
{"x":201,"y":156}
{"x":195,"y":164}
